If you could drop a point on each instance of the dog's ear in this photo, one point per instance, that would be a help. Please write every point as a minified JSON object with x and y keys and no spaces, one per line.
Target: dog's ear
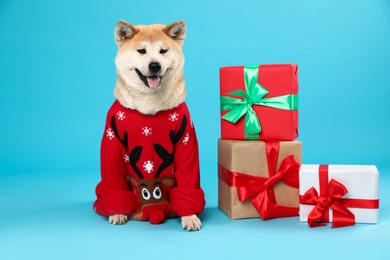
{"x":176,"y":31}
{"x":124,"y":31}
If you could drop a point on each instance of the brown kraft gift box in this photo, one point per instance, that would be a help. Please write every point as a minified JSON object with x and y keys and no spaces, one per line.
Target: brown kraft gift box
{"x":250,"y":158}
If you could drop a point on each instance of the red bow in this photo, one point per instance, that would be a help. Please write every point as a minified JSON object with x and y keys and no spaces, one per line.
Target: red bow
{"x":260,"y":189}
{"x":332,"y":198}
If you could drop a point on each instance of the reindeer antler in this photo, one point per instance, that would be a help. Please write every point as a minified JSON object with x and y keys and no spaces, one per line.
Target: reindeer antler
{"x":165,"y":156}
{"x":135,"y":153}
{"x":115,"y":129}
{"x":176,"y":138}
{"x":134,"y":156}
{"x":163,"y":153}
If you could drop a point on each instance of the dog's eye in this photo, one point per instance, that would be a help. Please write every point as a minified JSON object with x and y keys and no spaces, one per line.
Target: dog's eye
{"x":142,"y":51}
{"x":162,"y":51}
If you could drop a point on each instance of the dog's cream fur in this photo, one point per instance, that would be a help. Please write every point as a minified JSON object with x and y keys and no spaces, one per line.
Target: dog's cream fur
{"x":138,"y":47}
{"x":130,"y":90}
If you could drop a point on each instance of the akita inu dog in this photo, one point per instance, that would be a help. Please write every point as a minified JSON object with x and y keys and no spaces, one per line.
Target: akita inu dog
{"x":149,"y":150}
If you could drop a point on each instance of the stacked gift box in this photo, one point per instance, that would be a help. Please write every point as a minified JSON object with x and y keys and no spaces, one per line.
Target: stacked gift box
{"x":259,"y":160}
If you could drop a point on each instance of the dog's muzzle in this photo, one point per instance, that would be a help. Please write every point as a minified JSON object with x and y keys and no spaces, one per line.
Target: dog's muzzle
{"x":152,"y":81}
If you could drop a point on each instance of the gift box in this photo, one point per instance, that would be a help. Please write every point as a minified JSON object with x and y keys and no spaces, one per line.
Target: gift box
{"x":258,"y":179}
{"x":341,"y":194}
{"x":259,"y":102}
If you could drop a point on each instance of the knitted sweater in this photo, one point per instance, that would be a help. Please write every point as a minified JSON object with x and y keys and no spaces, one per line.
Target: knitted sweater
{"x":149,"y":163}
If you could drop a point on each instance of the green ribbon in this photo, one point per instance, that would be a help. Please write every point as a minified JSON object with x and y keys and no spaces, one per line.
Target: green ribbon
{"x":254,"y":95}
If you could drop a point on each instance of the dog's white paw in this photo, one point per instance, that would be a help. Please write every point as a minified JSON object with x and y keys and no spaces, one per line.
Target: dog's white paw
{"x":191,"y":223}
{"x":117,"y":219}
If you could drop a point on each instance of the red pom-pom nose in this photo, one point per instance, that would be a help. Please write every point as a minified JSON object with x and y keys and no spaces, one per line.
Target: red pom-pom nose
{"x":156,"y":217}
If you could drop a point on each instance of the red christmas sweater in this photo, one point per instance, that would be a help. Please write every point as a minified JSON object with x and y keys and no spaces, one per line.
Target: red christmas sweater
{"x":149,"y":163}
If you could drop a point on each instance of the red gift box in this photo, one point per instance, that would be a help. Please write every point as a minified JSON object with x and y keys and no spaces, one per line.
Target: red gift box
{"x":259,"y":102}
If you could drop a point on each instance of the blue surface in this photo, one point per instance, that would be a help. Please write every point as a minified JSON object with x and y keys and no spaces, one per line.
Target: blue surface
{"x":57,"y":76}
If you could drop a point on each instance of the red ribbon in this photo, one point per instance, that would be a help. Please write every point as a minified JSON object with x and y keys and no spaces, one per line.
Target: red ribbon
{"x":331,"y":194}
{"x":260,"y":189}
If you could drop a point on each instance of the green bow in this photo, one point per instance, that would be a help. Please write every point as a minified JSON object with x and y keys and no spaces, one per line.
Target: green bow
{"x":254,"y":95}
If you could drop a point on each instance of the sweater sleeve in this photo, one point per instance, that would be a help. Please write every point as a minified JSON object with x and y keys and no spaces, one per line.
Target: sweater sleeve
{"x":113,"y":193}
{"x":187,"y":198}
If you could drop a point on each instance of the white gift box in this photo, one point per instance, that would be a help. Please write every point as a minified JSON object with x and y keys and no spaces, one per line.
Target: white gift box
{"x":361,"y":182}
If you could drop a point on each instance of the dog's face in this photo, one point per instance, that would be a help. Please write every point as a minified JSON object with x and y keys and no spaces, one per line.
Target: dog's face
{"x":149,"y":57}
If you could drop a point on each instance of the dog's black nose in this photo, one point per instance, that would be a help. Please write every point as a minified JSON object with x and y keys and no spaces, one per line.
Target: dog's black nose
{"x":154,"y":67}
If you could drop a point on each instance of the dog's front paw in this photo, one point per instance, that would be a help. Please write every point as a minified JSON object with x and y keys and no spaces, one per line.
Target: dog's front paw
{"x":191,"y":223}
{"x":117,"y":219}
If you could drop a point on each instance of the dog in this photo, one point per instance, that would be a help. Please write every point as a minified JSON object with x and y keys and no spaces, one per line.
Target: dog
{"x":149,"y":150}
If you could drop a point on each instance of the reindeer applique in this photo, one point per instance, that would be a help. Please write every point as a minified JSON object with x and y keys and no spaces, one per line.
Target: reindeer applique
{"x":152,"y":194}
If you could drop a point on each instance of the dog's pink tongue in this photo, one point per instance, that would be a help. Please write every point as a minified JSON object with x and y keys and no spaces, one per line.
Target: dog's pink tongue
{"x":153,"y":81}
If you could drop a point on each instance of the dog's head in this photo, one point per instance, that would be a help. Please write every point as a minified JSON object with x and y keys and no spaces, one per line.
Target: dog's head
{"x":149,"y":57}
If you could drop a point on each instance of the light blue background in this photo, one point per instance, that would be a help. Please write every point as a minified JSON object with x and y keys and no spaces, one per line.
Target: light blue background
{"x":57,"y":77}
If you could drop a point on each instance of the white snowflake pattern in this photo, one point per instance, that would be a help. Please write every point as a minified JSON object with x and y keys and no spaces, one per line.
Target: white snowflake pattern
{"x":146,"y":131}
{"x":110,"y":134}
{"x":173,"y":117}
{"x":121,"y":115}
{"x":186,"y":139}
{"x":148,"y":166}
{"x":126,"y":158}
